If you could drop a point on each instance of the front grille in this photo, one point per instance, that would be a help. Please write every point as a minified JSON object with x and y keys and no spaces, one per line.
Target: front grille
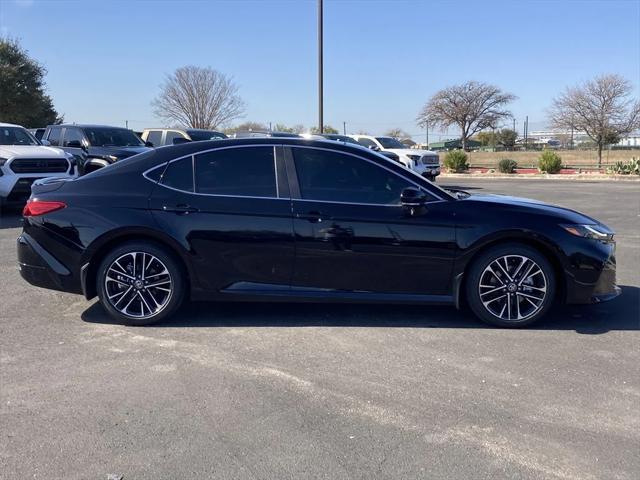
{"x":430,"y":160}
{"x":39,"y":165}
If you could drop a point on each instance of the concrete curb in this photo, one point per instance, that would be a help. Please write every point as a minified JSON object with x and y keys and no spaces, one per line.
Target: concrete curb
{"x":542,"y":176}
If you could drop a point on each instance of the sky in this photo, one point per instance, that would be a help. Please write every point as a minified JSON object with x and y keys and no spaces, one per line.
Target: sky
{"x":106,"y":60}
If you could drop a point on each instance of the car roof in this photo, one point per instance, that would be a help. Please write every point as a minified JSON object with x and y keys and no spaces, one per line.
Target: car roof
{"x":86,"y":125}
{"x":10,"y":125}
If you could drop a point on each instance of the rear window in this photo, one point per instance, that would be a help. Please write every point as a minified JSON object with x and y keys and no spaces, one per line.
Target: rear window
{"x":179,"y":175}
{"x":248,"y":171}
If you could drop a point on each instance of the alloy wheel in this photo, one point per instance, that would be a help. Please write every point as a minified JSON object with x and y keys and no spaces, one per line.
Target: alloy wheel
{"x":513,"y":288}
{"x":138,"y":285}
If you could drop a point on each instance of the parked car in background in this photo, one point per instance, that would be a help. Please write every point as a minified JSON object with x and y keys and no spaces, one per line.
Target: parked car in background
{"x":302,"y":220}
{"x":424,"y":162}
{"x":23,"y":160}
{"x":160,"y":137}
{"x":347,"y":139}
{"x":94,"y":146}
{"x":265,"y":134}
{"x":37,"y":132}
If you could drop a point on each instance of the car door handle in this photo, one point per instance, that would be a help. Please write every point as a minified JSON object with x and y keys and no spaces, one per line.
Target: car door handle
{"x":180,"y":209}
{"x":313,"y":216}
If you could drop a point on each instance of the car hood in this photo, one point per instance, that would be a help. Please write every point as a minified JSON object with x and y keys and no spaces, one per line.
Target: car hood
{"x":120,"y":152}
{"x":532,"y":206}
{"x":410,"y":151}
{"x":30,"y":151}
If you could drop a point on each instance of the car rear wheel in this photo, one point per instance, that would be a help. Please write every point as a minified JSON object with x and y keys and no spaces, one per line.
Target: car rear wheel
{"x":140,"y":283}
{"x":511,"y":286}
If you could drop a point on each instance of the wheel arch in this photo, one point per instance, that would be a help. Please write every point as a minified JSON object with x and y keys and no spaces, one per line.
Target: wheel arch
{"x":101,"y":246}
{"x":539,"y":243}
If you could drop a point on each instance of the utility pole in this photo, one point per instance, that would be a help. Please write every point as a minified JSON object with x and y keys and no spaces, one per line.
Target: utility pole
{"x":126,"y":123}
{"x":320,"y":71}
{"x":270,"y":129}
{"x":344,"y":128}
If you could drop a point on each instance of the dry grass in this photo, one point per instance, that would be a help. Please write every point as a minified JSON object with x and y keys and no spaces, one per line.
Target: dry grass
{"x":570,"y":158}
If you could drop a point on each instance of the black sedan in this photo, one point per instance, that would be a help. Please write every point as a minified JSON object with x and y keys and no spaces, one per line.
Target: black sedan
{"x":301,"y":220}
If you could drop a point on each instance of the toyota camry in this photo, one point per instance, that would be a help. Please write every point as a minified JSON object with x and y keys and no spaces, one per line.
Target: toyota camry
{"x":291,"y":220}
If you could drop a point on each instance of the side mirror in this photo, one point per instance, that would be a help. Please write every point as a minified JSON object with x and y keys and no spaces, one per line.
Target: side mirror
{"x":375,"y":148}
{"x":179,"y":140}
{"x":46,"y":143}
{"x":149,"y":144}
{"x":74,"y":144}
{"x":413,"y":198}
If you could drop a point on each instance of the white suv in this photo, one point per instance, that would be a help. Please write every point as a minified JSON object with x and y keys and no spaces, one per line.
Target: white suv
{"x":424,"y":162}
{"x":23,"y":160}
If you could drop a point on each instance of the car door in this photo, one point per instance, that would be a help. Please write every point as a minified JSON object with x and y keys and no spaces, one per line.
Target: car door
{"x":232,"y":211}
{"x":352,"y":233}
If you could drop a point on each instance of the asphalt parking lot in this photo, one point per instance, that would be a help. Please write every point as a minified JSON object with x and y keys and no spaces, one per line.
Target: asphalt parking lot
{"x":314,"y":391}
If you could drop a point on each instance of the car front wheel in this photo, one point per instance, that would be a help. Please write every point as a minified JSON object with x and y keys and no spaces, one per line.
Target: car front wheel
{"x":511,"y":286}
{"x":140,"y":283}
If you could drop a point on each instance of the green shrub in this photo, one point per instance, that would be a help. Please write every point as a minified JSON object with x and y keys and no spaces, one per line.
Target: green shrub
{"x":631,"y":167}
{"x":456,"y":161}
{"x":506,"y":165}
{"x":549,"y":162}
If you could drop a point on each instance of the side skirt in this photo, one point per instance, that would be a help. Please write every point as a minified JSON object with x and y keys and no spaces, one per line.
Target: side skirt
{"x":260,"y":292}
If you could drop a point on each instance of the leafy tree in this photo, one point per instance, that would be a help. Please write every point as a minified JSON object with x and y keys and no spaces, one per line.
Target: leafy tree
{"x":326,"y":129}
{"x":472,"y":106}
{"x":507,"y":138}
{"x":281,"y":127}
{"x":247,"y":126}
{"x":199,"y":98}
{"x":22,"y":90}
{"x":603,"y":108}
{"x":487,"y":138}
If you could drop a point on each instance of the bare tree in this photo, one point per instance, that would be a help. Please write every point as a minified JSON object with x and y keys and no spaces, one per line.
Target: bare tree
{"x":397,"y":133}
{"x":199,"y":98}
{"x":603,"y":108}
{"x":472,"y":106}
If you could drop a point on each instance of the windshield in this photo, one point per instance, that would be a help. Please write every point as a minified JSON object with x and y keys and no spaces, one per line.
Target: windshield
{"x":112,"y":137}
{"x":16,"y":136}
{"x":389,"y":142}
{"x":200,"y":135}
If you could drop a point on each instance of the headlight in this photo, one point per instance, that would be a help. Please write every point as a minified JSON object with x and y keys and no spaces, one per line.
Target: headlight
{"x":111,"y":158}
{"x":595,"y":232}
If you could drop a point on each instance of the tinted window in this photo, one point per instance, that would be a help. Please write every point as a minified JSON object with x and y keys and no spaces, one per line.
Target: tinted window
{"x":179,"y":175}
{"x":54,"y":136}
{"x":332,"y":176}
{"x":366,"y":142}
{"x":170,"y":136}
{"x":72,"y":135}
{"x":390,"y":142}
{"x":112,"y":137}
{"x":248,"y":171}
{"x":155,"y":137}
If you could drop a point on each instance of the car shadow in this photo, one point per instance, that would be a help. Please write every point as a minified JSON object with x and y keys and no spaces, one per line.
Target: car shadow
{"x":623,"y":313}
{"x":10,"y":217}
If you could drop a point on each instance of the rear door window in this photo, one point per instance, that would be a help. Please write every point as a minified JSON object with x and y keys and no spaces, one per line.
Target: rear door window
{"x":155,"y":137}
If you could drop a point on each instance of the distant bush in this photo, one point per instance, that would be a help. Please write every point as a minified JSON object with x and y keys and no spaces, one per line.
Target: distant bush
{"x":631,"y":167}
{"x":456,"y":161}
{"x":549,"y":162}
{"x":506,"y":165}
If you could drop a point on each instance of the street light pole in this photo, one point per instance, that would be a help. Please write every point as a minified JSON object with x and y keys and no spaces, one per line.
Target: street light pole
{"x":320,"y":72}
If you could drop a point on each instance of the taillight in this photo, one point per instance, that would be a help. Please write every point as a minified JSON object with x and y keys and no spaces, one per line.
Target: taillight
{"x":34,"y":208}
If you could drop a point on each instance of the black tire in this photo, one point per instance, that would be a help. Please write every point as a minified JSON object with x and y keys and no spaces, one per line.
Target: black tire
{"x":126,"y":254}
{"x":541,"y":287}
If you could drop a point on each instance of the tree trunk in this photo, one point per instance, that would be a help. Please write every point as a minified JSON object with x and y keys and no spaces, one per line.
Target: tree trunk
{"x":599,"y":155}
{"x":464,"y":143}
